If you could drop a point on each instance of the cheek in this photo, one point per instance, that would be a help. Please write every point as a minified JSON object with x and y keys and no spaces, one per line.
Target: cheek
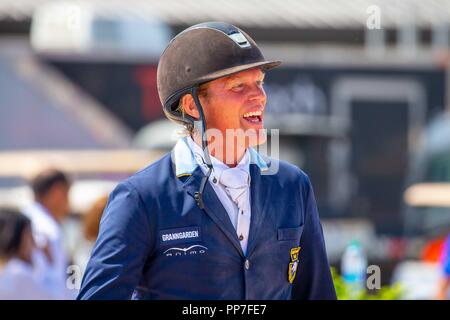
{"x":223,"y":113}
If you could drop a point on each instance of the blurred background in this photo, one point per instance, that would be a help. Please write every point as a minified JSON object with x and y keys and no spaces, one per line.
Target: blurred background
{"x":361,"y":102}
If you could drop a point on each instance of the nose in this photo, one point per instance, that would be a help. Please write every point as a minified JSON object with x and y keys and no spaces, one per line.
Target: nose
{"x":258,"y":94}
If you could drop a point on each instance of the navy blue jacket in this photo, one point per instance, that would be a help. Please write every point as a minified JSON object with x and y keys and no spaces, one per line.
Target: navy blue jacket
{"x":156,"y":243}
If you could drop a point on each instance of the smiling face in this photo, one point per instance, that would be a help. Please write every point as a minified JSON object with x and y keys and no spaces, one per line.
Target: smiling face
{"x":233,"y":104}
{"x":236,"y":101}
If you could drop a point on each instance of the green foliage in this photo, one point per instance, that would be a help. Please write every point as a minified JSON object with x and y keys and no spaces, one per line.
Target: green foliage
{"x":344,"y":291}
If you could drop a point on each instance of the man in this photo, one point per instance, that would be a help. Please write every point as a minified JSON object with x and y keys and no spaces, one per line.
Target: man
{"x":217,"y":222}
{"x":51,"y":193}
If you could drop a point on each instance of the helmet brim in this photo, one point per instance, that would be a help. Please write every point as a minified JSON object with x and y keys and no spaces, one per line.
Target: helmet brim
{"x":264,"y":65}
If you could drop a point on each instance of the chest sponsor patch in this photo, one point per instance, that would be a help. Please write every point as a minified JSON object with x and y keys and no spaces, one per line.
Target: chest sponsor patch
{"x":180,"y":235}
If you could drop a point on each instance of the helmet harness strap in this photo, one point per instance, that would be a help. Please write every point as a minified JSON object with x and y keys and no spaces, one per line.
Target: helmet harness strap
{"x":199,"y":194}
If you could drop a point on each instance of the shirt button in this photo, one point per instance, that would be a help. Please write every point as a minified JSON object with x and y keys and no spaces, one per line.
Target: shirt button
{"x":214,"y":180}
{"x":247,"y":264}
{"x":241,"y":237}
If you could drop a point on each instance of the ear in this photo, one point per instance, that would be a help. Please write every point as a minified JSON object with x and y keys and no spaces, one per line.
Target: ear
{"x":189,"y":106}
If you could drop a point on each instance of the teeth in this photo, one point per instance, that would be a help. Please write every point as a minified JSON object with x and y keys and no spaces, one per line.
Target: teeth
{"x":252,"y":114}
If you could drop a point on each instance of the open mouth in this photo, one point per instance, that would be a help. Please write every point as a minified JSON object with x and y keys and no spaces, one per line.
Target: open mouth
{"x":253,"y":117}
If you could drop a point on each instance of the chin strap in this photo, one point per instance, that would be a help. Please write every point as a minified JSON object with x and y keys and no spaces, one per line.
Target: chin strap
{"x":199,"y":194}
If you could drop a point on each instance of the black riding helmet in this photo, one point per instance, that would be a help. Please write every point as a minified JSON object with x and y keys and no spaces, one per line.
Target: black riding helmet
{"x":199,"y":54}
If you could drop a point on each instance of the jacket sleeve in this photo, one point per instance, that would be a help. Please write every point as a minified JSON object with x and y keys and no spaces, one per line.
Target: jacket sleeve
{"x":121,"y":249}
{"x":313,"y":279}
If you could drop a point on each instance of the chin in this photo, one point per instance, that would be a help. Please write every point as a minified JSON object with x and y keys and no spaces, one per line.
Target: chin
{"x":255,"y":136}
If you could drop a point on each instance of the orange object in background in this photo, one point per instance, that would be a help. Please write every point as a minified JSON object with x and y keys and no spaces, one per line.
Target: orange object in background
{"x":432,"y":251}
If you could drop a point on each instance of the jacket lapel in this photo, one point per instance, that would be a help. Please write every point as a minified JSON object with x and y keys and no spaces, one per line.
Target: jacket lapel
{"x":213,"y":207}
{"x":259,"y":198}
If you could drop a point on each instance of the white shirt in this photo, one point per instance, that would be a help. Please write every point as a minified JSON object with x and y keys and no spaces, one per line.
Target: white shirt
{"x":239,"y":219}
{"x":18,"y":281}
{"x":47,"y":233}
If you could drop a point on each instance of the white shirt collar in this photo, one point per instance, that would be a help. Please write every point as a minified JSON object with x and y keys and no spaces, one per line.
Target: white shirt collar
{"x":185,"y":161}
{"x":218,"y":166}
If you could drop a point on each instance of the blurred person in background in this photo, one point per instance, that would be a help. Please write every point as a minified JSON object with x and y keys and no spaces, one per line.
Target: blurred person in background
{"x":91,"y":221}
{"x":51,"y":193}
{"x":444,"y":284}
{"x":18,"y":278}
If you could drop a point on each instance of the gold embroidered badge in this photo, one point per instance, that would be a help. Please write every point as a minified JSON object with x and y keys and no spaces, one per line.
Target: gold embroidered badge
{"x":293,"y":264}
